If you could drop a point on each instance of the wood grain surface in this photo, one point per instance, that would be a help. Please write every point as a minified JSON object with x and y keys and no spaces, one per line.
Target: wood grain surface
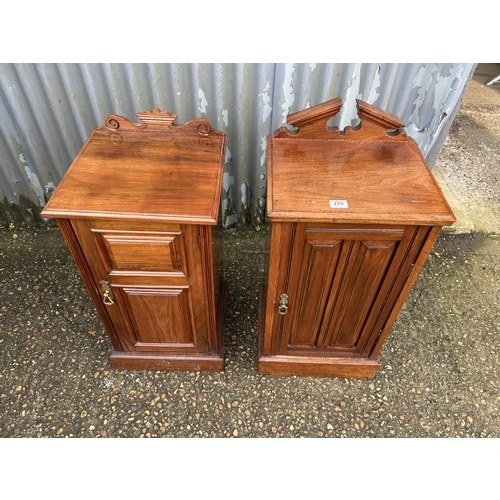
{"x":354,"y":214}
{"x":137,"y":208}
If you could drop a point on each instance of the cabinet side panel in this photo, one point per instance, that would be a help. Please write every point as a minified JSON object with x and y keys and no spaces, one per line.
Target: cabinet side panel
{"x":424,"y":242}
{"x":201,"y":249}
{"x":86,"y":274}
{"x":218,"y":259}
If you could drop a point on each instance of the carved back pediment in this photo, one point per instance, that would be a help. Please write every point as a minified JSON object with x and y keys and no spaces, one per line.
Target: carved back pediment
{"x":312,"y":123}
{"x":155,"y":120}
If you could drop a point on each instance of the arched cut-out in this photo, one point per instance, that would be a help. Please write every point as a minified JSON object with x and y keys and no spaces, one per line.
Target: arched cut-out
{"x":393,"y":132}
{"x":352,"y":128}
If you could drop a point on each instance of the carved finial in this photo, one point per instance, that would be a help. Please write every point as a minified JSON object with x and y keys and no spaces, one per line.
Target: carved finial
{"x":156,"y":116}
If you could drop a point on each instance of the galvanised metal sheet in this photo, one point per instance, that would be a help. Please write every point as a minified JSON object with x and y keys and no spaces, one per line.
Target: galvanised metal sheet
{"x":48,"y":110}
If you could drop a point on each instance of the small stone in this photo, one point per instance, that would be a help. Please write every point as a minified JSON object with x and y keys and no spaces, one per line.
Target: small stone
{"x":19,"y":388}
{"x":83,"y":414}
{"x":235,"y":432}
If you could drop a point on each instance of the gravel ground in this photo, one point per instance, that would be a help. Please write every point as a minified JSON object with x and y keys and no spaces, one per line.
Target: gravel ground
{"x":440,"y":373}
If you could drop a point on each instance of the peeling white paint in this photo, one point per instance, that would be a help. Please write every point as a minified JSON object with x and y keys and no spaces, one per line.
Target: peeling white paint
{"x":268,"y":97}
{"x":49,"y":187}
{"x":203,"y":101}
{"x":430,"y":117}
{"x":33,"y":178}
{"x":423,"y":80}
{"x":228,"y":156}
{"x":245,"y":194}
{"x":266,"y":111}
{"x":263,"y":143}
{"x":35,"y":184}
{"x":230,"y":220}
{"x":288,"y":97}
{"x":437,"y":130}
{"x":375,"y":90}
{"x":227,"y":205}
{"x":348,"y":110}
{"x":442,"y":106}
{"x":227,"y":182}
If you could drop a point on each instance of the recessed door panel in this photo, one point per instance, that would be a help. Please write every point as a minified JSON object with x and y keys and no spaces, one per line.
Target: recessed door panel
{"x":132,"y":252}
{"x":162,"y":319}
{"x":361,"y":286}
{"x":318,"y":263}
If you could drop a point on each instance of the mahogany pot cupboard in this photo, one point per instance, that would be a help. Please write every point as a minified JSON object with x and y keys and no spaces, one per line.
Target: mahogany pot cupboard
{"x":353,"y":215}
{"x":138,"y":209}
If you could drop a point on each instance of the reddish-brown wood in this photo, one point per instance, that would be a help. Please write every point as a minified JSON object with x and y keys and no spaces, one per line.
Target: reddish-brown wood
{"x":151,"y":171}
{"x":137,"y":209}
{"x":354,"y":215}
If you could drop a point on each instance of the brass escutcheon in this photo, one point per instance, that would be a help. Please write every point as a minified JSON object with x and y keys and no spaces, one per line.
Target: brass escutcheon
{"x":283,"y":304}
{"x":107,"y":293}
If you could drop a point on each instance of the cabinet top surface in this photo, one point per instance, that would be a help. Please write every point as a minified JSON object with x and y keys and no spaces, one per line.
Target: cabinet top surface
{"x":360,"y":175}
{"x":157,"y":170}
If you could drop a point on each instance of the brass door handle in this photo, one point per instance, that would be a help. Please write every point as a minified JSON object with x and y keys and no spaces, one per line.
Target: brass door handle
{"x":107,"y":293}
{"x":283,"y":304}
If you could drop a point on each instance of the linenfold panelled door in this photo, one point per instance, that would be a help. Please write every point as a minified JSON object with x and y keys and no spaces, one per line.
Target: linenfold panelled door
{"x":343,"y":284}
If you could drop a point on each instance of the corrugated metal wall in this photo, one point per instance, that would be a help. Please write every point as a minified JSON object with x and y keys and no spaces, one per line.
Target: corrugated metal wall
{"x":48,"y":110}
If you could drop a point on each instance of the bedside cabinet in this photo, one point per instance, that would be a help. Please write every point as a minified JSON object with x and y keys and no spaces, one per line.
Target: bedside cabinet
{"x":138,"y":209}
{"x":353,"y":214}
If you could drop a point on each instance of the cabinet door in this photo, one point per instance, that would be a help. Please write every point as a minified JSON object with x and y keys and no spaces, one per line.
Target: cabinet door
{"x":154,"y":276}
{"x":343,"y":284}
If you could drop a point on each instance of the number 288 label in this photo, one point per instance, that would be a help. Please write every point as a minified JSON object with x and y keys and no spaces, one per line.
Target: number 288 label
{"x":339,"y":204}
